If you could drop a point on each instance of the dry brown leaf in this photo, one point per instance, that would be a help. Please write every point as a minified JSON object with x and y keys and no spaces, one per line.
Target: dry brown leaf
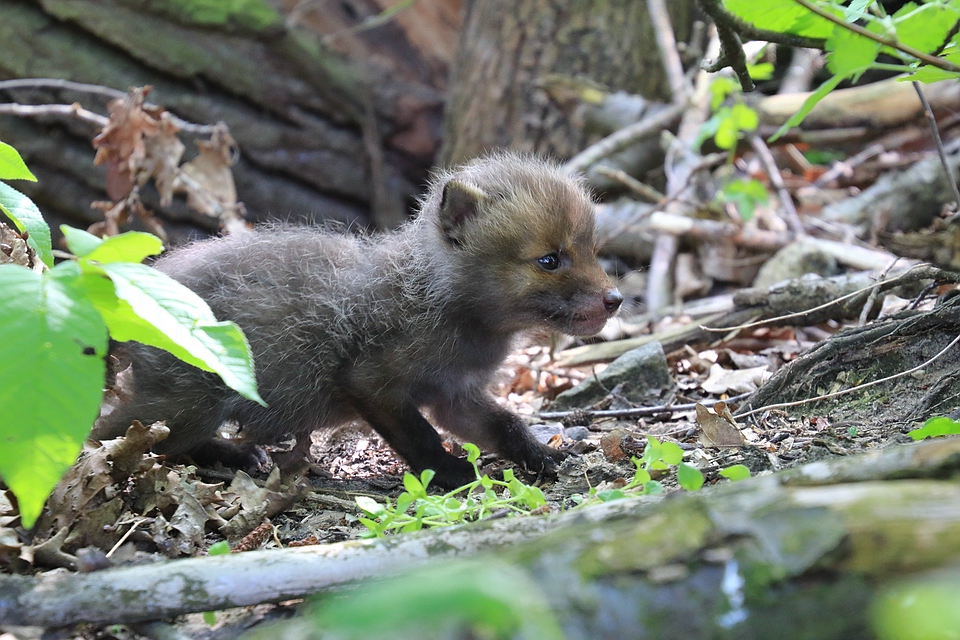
{"x":120,"y":146}
{"x":717,"y":431}
{"x":208,"y":181}
{"x":162,"y":161}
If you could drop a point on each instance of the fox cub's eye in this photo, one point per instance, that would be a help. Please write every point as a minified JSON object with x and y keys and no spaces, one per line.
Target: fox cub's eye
{"x":550,"y":262}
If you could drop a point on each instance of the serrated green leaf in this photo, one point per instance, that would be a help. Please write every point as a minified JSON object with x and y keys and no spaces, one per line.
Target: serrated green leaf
{"x":187,"y":321}
{"x":132,"y":246}
{"x":850,"y":53}
{"x":925,"y":27}
{"x":735,"y":472}
{"x":12,"y":166}
{"x":808,"y":105}
{"x":79,"y":242}
{"x":856,"y":10}
{"x":51,"y":380}
{"x":781,"y":15}
{"x":26,"y":217}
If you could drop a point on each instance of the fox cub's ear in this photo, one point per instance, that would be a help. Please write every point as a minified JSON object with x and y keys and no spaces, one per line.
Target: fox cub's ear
{"x":459,"y":204}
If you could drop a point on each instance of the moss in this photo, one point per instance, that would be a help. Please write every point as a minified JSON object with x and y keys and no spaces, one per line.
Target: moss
{"x":674,"y":534}
{"x":229,"y":15}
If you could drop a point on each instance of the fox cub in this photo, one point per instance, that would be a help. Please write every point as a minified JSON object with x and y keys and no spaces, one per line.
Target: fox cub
{"x":379,"y":328}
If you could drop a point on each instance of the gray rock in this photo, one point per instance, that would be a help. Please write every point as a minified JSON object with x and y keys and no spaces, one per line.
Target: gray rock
{"x":577,"y":433}
{"x":641,"y":376}
{"x":543,"y":432}
{"x":794,"y":261}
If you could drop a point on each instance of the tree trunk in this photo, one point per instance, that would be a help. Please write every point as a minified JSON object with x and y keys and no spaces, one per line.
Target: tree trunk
{"x":508,"y":49}
{"x":331,"y":122}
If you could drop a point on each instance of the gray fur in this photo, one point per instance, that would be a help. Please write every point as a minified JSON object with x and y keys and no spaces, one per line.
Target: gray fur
{"x":375,"y":328}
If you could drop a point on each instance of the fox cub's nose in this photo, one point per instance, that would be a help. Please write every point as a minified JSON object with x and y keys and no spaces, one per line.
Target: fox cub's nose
{"x":612,"y":300}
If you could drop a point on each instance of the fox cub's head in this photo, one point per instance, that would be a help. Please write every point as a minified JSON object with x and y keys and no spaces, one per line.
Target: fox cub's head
{"x":521,"y":233}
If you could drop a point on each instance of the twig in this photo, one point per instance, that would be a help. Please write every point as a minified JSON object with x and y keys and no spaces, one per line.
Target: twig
{"x":666,"y":41}
{"x":896,"y":281}
{"x":74,"y":111}
{"x":731,"y":28}
{"x":638,"y":412}
{"x":841,"y":167}
{"x":660,"y":283}
{"x":645,"y":191}
{"x":935,"y":132}
{"x":96,"y":89}
{"x":770,"y":165}
{"x":784,"y":405}
{"x":872,"y":298}
{"x":623,"y":138}
{"x":731,"y":55}
{"x":893,"y":43}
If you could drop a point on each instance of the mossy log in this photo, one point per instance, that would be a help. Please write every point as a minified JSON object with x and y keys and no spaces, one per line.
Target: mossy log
{"x":321,"y":135}
{"x":751,"y":559}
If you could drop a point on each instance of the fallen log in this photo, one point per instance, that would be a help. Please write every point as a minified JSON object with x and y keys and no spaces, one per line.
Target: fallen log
{"x":778,"y":528}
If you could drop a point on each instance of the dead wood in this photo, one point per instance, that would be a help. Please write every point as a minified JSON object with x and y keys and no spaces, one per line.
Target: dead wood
{"x":798,"y":302}
{"x":862,"y":354}
{"x":878,"y":105}
{"x":630,"y":540}
{"x":745,"y":560}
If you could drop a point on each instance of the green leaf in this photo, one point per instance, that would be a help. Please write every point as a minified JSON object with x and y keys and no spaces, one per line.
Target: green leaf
{"x":611,"y":494}
{"x":132,"y":246}
{"x":720,"y":88}
{"x":187,"y":323}
{"x":79,"y":242}
{"x":745,"y":194}
{"x":51,"y":380}
{"x":808,"y":106}
{"x":856,"y":10}
{"x":671,"y":453}
{"x":473,"y":452}
{"x":781,"y":15}
{"x":761,"y":71}
{"x":934,"y":427}
{"x":925,"y":27}
{"x":26,"y":217}
{"x":426,"y":476}
{"x":209,"y":618}
{"x":219,"y":548}
{"x":369,"y":505}
{"x":850,"y":53}
{"x":488,"y":599}
{"x":689,"y":477}
{"x":413,"y":486}
{"x":735,"y":472}
{"x":12,"y":166}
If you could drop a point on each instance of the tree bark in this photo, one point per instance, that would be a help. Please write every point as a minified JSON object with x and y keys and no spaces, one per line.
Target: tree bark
{"x":827,"y":536}
{"x":509,"y":50}
{"x":328,"y":124}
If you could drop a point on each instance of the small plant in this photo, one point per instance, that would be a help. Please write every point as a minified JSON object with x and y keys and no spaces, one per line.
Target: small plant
{"x":921,"y":38}
{"x":934,"y":427}
{"x":657,"y":456}
{"x":415,"y":509}
{"x":54,"y":323}
{"x":735,"y":472}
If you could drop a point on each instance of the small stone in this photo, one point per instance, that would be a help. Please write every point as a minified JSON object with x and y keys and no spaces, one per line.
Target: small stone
{"x":577,"y":433}
{"x":543,"y":432}
{"x":642,"y":375}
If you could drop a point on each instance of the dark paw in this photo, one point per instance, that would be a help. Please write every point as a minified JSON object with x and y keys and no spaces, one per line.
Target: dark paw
{"x":452,"y":472}
{"x":543,"y":461}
